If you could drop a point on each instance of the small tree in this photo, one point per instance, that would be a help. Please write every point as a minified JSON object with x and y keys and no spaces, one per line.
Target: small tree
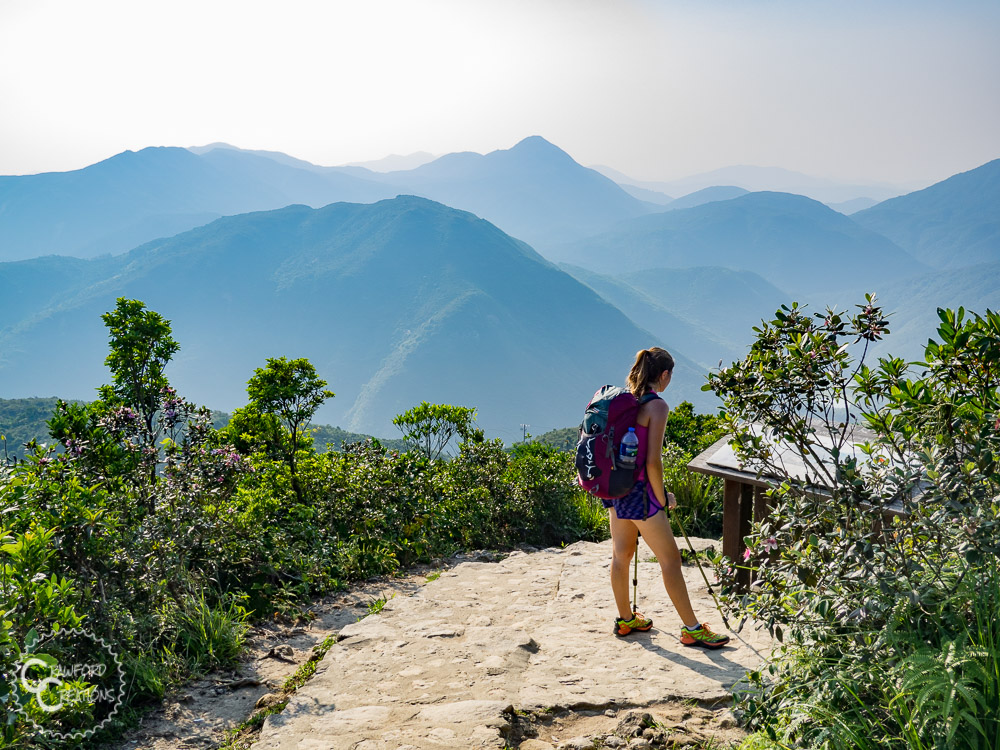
{"x":141,"y":345}
{"x":430,"y":427}
{"x":291,"y":391}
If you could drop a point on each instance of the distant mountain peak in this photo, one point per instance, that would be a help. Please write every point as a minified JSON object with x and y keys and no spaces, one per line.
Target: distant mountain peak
{"x":395,"y":162}
{"x":536,"y":147}
{"x":143,"y":154}
{"x":212,"y":146}
{"x":535,"y":141}
{"x":952,"y":223}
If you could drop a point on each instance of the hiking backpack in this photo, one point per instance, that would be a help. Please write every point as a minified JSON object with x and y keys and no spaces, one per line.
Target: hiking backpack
{"x":609,"y":414}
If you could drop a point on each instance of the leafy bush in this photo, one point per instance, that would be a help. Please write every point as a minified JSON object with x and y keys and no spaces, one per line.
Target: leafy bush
{"x":880,"y":583}
{"x":689,"y":432}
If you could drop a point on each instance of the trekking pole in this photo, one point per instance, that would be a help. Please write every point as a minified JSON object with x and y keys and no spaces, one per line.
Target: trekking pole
{"x":635,"y":574}
{"x":725,"y":620}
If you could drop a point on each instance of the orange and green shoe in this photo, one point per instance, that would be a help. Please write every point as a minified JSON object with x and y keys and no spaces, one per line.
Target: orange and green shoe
{"x":638,"y":622}
{"x":703,"y":636}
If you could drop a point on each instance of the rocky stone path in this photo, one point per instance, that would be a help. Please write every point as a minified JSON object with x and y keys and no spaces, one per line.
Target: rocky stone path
{"x":456,"y":664}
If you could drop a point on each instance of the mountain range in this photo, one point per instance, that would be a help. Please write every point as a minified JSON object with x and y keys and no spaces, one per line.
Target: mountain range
{"x":399,"y":300}
{"x":763,"y":179}
{"x":707,"y":310}
{"x":952,"y":223}
{"x":534,"y":191}
{"x":395,"y":302}
{"x":134,"y":197}
{"x":794,"y":242}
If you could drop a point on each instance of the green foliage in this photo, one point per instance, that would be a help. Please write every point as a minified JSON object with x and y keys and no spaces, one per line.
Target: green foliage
{"x":375,"y":605}
{"x":430,"y":427}
{"x":563,"y":438}
{"x":207,"y":635}
{"x":699,"y":497}
{"x":252,"y":431}
{"x":289,"y":391}
{"x":141,"y":345}
{"x":877,"y":570}
{"x":691,"y":433}
{"x":32,"y":595}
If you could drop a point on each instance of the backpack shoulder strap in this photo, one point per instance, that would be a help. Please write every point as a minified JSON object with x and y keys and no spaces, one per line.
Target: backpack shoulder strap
{"x":648,"y":397}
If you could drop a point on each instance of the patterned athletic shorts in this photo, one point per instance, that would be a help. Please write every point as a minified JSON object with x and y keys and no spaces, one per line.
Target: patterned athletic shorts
{"x":639,"y":504}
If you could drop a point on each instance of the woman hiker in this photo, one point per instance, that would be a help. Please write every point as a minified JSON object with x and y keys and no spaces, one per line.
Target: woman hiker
{"x":643,"y":510}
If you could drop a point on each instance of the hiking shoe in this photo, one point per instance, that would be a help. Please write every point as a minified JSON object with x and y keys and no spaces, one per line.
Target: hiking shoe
{"x":703,"y":636}
{"x":638,"y":622}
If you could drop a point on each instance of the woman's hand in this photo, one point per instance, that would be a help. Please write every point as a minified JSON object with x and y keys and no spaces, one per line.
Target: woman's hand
{"x":671,"y":501}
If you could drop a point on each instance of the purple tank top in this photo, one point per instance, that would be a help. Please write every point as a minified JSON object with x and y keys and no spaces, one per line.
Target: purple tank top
{"x":643,"y":434}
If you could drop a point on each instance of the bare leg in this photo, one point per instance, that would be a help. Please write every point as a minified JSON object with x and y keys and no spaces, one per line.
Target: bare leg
{"x":623,"y":540}
{"x":656,"y":531}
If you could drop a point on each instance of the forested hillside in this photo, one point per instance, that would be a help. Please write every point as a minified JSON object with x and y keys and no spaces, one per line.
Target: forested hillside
{"x":951,"y":224}
{"x":795,"y":243}
{"x":25,"y":419}
{"x":395,"y":303}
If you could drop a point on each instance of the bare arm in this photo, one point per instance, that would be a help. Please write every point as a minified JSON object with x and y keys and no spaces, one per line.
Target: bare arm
{"x":658,"y":411}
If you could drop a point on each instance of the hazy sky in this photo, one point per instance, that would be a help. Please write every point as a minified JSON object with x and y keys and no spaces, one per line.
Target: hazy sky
{"x":901,"y":91}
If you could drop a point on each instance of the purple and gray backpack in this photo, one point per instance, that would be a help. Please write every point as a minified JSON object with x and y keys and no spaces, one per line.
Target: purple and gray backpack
{"x":609,"y":414}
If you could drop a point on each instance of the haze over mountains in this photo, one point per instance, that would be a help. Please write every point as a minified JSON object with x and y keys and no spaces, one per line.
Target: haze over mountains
{"x":951,"y":224}
{"x":795,"y":242}
{"x":134,"y":197}
{"x":533,"y":191}
{"x":396,"y":302}
{"x":756,"y":179}
{"x":399,"y":300}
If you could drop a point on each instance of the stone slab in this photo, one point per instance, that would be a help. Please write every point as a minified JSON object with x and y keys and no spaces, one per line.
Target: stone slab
{"x":440,"y":669}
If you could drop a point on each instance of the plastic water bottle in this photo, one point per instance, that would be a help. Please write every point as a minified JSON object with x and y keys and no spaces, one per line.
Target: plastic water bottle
{"x":629,"y":451}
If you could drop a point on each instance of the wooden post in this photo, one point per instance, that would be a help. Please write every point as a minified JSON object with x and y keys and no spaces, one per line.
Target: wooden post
{"x":737,"y":513}
{"x":761,"y":509}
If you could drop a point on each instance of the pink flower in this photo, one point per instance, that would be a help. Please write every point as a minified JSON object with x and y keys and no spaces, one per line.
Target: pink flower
{"x":771,"y":544}
{"x":746,"y":554}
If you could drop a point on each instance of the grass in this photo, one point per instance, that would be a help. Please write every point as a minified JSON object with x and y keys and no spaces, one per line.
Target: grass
{"x":375,"y":605}
{"x":699,"y":497}
{"x":307,"y":670}
{"x":593,"y":517}
{"x":210,"y":636}
{"x":242,"y":736}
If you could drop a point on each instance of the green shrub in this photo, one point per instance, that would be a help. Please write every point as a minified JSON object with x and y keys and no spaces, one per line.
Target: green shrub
{"x":886,"y":621}
{"x":699,"y":497}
